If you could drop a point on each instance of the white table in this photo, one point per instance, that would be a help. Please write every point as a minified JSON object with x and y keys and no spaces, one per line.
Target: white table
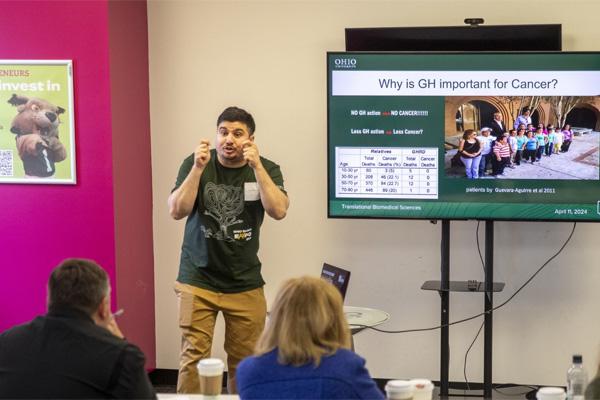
{"x":173,"y":396}
{"x":360,"y":318}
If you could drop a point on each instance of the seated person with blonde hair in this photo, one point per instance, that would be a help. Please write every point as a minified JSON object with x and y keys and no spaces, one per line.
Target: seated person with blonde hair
{"x":304,"y":352}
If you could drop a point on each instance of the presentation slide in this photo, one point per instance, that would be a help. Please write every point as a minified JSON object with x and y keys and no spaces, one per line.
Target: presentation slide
{"x":396,"y":122}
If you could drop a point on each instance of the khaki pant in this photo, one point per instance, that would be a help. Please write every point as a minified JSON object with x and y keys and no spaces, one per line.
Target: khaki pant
{"x":244,"y":315}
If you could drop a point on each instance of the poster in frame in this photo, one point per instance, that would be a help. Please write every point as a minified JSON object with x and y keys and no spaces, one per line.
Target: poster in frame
{"x":37,"y":129}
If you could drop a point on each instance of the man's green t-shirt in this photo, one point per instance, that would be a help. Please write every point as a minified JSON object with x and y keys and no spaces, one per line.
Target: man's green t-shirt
{"x":221,"y":238}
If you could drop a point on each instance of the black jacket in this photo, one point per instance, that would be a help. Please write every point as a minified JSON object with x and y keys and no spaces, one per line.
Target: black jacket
{"x":497,"y":129}
{"x":64,"y":354}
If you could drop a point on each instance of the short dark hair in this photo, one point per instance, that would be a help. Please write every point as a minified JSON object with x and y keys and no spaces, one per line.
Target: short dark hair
{"x":77,"y":283}
{"x":235,"y":114}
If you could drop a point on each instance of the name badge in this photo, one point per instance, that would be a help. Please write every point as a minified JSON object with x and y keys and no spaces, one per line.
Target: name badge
{"x":251,"y":192}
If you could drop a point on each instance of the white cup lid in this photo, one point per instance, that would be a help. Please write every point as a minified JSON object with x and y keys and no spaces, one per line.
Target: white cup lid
{"x":422,"y":384}
{"x":551,"y":392}
{"x":399,"y":386}
{"x":210,"y":366}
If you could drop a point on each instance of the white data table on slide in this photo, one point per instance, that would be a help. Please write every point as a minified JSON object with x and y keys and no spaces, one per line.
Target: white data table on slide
{"x":386,"y":172}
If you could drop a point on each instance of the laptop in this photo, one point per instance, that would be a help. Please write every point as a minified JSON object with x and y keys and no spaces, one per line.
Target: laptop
{"x":338,"y":277}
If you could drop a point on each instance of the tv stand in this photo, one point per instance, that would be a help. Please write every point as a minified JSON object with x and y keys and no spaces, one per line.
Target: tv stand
{"x":444,"y":286}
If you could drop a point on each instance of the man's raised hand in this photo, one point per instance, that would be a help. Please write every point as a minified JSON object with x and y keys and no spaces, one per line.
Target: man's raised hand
{"x":202,"y":154}
{"x":251,"y":153}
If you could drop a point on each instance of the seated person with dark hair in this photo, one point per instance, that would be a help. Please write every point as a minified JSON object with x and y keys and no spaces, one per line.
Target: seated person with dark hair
{"x":76,"y":350}
{"x":304,"y":352}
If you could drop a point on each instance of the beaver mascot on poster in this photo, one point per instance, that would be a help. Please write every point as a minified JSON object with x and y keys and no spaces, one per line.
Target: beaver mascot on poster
{"x":36,"y":127}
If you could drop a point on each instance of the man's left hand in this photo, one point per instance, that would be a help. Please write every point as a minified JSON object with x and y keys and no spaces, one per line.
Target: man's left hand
{"x":251,"y":154}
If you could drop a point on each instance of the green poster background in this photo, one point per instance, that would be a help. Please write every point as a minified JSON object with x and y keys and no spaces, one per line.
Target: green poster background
{"x":47,"y":80}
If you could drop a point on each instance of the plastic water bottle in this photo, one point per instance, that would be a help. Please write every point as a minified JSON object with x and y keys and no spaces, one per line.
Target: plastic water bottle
{"x":576,"y":379}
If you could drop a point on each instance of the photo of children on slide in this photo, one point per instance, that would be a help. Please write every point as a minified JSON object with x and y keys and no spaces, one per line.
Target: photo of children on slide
{"x":522,"y":137}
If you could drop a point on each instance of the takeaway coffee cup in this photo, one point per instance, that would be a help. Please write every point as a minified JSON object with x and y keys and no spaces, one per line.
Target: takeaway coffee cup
{"x":399,"y":390}
{"x":423,"y":389}
{"x":551,"y":393}
{"x":210,"y":373}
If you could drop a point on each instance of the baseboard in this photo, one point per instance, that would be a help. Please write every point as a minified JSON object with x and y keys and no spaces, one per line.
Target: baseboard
{"x":163,"y":377}
{"x":168,"y":377}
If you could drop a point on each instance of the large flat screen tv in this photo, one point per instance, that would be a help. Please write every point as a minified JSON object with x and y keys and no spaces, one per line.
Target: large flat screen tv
{"x":395,"y":121}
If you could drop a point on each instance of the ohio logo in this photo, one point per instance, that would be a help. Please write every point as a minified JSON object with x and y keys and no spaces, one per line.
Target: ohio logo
{"x":347,"y":63}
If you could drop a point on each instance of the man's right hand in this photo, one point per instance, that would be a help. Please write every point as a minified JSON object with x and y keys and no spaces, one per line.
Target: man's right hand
{"x":111,"y":325}
{"x":202,"y":154}
{"x":181,"y":201}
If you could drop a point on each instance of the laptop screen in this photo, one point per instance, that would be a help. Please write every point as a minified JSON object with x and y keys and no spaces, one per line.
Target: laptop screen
{"x":338,"y":277}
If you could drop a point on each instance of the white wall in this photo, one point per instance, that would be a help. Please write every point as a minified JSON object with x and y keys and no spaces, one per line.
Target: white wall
{"x":269,"y":57}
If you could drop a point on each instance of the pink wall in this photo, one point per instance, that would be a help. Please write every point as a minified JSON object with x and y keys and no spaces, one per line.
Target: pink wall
{"x":42,"y":224}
